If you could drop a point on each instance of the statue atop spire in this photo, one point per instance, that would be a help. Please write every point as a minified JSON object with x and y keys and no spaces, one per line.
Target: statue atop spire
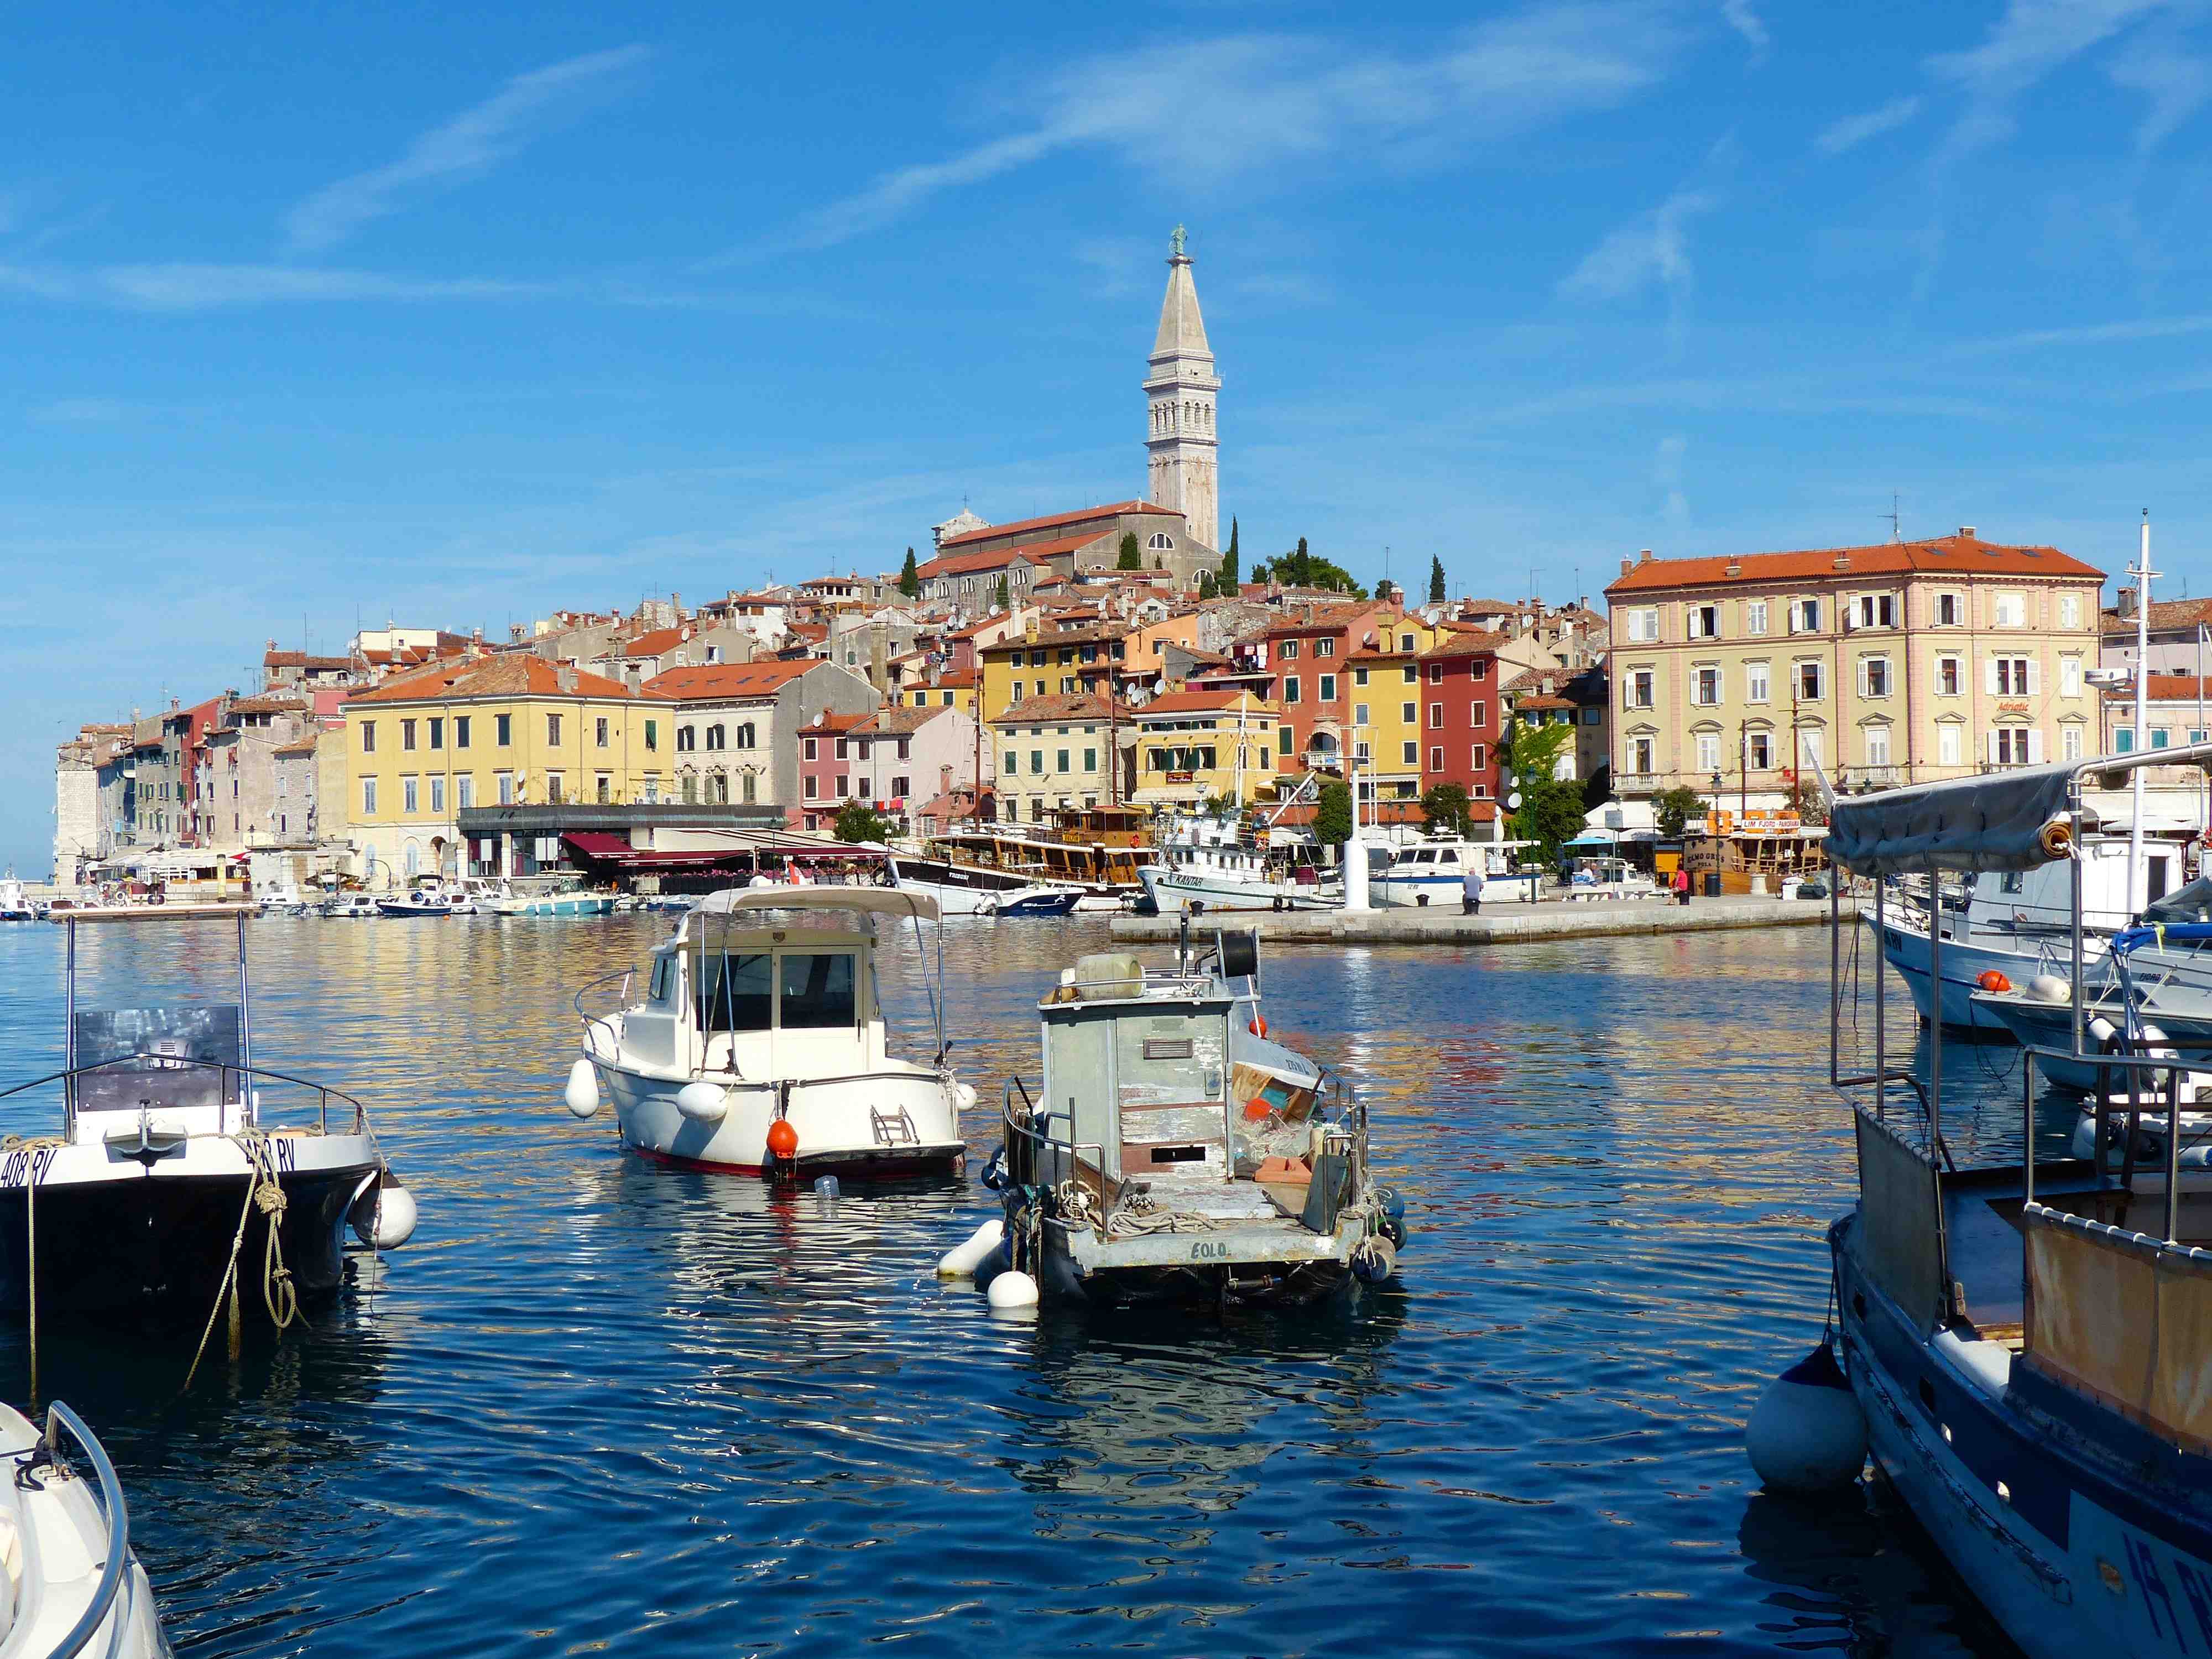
{"x":1175,"y":242}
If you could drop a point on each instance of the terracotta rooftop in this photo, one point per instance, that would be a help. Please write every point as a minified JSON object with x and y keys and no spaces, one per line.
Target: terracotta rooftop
{"x":271,"y":705}
{"x":2164,"y":614}
{"x":1200,"y":702}
{"x":274,"y":659}
{"x":1465,"y":642}
{"x":992,"y":558}
{"x":295,"y":750}
{"x":2165,"y":688}
{"x":899,"y":722}
{"x":510,"y":674}
{"x":658,"y":641}
{"x":1058,"y":707}
{"x":1960,"y":554}
{"x":1053,"y":520}
{"x":729,"y":679}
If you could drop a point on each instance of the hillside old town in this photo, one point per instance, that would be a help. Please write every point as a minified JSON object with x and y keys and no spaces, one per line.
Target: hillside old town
{"x":1125,"y":655}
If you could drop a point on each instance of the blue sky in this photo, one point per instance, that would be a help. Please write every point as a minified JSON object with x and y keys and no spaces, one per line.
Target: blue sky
{"x":456,"y":316}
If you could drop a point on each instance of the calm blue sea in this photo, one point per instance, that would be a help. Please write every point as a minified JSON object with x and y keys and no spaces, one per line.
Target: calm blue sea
{"x":598,"y":1406}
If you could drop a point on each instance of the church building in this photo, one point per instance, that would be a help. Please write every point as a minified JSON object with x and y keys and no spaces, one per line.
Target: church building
{"x":1177,"y":525}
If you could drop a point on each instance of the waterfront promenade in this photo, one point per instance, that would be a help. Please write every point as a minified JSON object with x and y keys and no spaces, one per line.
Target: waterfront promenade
{"x":1499,"y":924}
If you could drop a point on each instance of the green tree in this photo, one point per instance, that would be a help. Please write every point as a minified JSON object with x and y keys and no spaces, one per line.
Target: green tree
{"x":999,"y":598}
{"x":1130,"y":559}
{"x":1812,"y":807}
{"x":1436,"y":579}
{"x":1531,"y":752}
{"x":1229,"y":579}
{"x":1551,"y":815}
{"x":1206,"y":590}
{"x":1444,"y":810}
{"x":909,"y":578}
{"x":1302,"y":569}
{"x":1262,"y":572}
{"x":1385,"y":588}
{"x":1673,"y":810}
{"x":1333,"y":815}
{"x":858,"y":822}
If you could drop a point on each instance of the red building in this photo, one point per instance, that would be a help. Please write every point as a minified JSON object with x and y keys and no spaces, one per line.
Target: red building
{"x":1461,"y":713}
{"x":826,"y":768}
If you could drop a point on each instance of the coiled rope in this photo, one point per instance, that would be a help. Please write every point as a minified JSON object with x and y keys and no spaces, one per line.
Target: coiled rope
{"x":265,"y":1192}
{"x":1136,"y":1215}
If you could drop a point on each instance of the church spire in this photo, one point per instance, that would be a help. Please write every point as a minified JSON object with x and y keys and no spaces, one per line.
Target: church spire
{"x":1180,"y":388}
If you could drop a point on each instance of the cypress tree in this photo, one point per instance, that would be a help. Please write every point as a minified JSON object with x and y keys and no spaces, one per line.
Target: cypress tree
{"x":1130,"y":559}
{"x":910,"y":580}
{"x":1231,"y":579}
{"x":1435,"y":580}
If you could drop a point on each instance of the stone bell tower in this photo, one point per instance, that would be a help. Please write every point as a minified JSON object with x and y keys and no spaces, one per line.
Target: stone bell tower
{"x":1182,"y":448}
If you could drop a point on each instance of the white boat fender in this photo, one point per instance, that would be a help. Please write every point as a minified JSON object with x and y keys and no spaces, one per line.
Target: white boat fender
{"x":582,"y":1096}
{"x":384,"y":1216}
{"x":962,"y":1261}
{"x":1807,"y":1434}
{"x":964,"y":1097}
{"x":1012,"y":1289}
{"x":2102,"y":1029}
{"x":703,"y":1102}
{"x":2048,"y":987}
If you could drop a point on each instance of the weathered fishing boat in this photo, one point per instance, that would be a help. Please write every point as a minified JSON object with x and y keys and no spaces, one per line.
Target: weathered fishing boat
{"x":2029,"y":1344}
{"x":1172,"y":1151}
{"x":181,"y":1172}
{"x":760,"y":1047}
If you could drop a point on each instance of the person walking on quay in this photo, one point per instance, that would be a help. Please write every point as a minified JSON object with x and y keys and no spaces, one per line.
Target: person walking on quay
{"x":1470,"y":896}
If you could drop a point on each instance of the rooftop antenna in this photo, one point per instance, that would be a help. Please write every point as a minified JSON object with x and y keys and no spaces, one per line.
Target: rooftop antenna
{"x":1895,"y":532}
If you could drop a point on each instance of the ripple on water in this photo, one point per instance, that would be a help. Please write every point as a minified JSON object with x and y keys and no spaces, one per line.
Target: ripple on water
{"x":601,"y":1403}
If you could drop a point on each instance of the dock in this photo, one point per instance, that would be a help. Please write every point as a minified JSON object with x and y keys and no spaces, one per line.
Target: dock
{"x":1499,"y":924}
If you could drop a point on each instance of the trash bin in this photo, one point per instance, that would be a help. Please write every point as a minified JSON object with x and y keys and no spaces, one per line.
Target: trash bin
{"x":1713,"y":883}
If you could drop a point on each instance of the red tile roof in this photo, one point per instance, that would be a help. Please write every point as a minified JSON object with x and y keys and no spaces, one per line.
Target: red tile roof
{"x":2164,"y":614}
{"x":729,"y":679}
{"x":2165,"y":688}
{"x":509,"y":674}
{"x":1949,"y":554}
{"x":1464,"y":642}
{"x":1199,"y":702}
{"x":992,"y":558}
{"x":1058,"y":707}
{"x":1053,"y":520}
{"x":658,"y":641}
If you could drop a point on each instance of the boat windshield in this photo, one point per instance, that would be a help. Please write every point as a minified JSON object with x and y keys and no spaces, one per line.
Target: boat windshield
{"x":816,"y":991}
{"x":734,"y":993}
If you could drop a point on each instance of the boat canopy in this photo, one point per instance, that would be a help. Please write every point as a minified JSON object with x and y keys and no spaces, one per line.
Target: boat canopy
{"x":2005,"y":820}
{"x":874,"y":901}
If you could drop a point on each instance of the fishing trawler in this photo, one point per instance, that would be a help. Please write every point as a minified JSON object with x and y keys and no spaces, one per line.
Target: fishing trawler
{"x":181,"y":1173}
{"x":1172,"y":1151}
{"x":760,"y":1047}
{"x":2028,"y":1345}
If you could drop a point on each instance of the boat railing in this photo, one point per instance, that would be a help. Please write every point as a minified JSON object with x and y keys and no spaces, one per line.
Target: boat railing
{"x":1028,"y":1136}
{"x":595,"y":1022}
{"x":112,"y":1571}
{"x":245,"y":1091}
{"x":2120,"y":1073}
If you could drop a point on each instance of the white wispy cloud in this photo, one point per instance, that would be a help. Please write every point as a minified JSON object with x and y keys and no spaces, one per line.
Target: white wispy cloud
{"x":2032,"y":39}
{"x":185,"y":287}
{"x":466,"y":147}
{"x":2087,"y":334}
{"x":1273,"y":99}
{"x":1855,"y":130}
{"x":1653,"y":248}
{"x":1739,"y":16}
{"x":2173,"y":81}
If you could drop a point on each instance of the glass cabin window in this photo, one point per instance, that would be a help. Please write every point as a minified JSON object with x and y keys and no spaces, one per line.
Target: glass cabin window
{"x":733,"y":993}
{"x":818,"y":992}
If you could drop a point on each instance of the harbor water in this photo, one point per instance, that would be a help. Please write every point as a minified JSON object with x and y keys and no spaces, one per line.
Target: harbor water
{"x":598,"y":1405}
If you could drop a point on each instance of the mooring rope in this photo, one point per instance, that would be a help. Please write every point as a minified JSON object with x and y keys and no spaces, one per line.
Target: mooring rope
{"x":31,"y":1149}
{"x":265,"y":1191}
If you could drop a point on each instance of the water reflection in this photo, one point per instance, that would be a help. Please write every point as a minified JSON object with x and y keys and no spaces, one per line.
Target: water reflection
{"x":600,"y":1403}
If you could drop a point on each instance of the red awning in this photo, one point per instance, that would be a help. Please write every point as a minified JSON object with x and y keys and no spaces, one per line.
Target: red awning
{"x":594,"y":844}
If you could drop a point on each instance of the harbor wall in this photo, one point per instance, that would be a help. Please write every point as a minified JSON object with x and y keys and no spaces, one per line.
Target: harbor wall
{"x":1501,"y":925}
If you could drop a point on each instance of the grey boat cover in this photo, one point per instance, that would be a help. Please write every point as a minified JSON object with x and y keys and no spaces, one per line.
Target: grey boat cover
{"x":1993,"y":822}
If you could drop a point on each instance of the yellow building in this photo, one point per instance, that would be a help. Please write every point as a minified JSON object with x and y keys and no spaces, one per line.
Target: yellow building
{"x":1385,"y":698}
{"x":1898,"y":663}
{"x":953,"y":690}
{"x":495,"y":731}
{"x":1056,"y":751}
{"x":1197,"y":746}
{"x":1045,"y":664}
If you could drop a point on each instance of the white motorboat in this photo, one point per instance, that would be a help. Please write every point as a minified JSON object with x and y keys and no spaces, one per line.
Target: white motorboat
{"x":181,"y":1173}
{"x":2028,"y":1345}
{"x":1431,"y":872}
{"x":2018,"y":923}
{"x":760,"y":1047}
{"x":281,"y":899}
{"x":1184,"y":1155}
{"x":352,"y":906}
{"x":549,"y":902}
{"x":419,"y":901}
{"x":1204,"y":864}
{"x":15,"y":900}
{"x":71,"y":1583}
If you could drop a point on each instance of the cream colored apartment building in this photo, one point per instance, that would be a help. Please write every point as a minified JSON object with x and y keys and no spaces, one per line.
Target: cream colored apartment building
{"x":1895,"y":663}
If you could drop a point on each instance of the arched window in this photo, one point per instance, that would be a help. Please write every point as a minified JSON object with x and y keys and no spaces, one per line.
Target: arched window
{"x":745,"y":737}
{"x":1161,"y":542}
{"x":714,"y":736}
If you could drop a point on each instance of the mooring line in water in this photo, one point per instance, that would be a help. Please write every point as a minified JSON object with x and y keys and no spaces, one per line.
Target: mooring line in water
{"x":262,"y":1188}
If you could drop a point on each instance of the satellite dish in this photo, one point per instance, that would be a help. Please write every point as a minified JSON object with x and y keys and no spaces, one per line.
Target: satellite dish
{"x":1513,"y":801}
{"x":1159,"y":687}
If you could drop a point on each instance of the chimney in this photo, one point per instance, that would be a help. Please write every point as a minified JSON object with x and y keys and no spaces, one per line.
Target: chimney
{"x":1966,"y":534}
{"x":1843,"y":562}
{"x":1627,"y":565}
{"x":2128,"y":601}
{"x":564,"y":675}
{"x":1643,"y":555}
{"x":1735,"y":567}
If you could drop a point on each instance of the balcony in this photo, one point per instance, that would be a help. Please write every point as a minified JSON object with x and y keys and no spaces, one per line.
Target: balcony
{"x":1870,"y":777}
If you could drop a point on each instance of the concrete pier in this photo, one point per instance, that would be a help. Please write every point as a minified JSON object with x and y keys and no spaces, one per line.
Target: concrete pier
{"x":1499,"y":924}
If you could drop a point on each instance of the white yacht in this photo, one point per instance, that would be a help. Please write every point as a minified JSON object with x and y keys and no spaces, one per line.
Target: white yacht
{"x":181,"y":1172}
{"x":15,"y":900}
{"x":576,"y":900}
{"x":760,"y":1047}
{"x":962,"y":889}
{"x":69,"y":1581}
{"x":1429,"y":873}
{"x":1203,"y":865}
